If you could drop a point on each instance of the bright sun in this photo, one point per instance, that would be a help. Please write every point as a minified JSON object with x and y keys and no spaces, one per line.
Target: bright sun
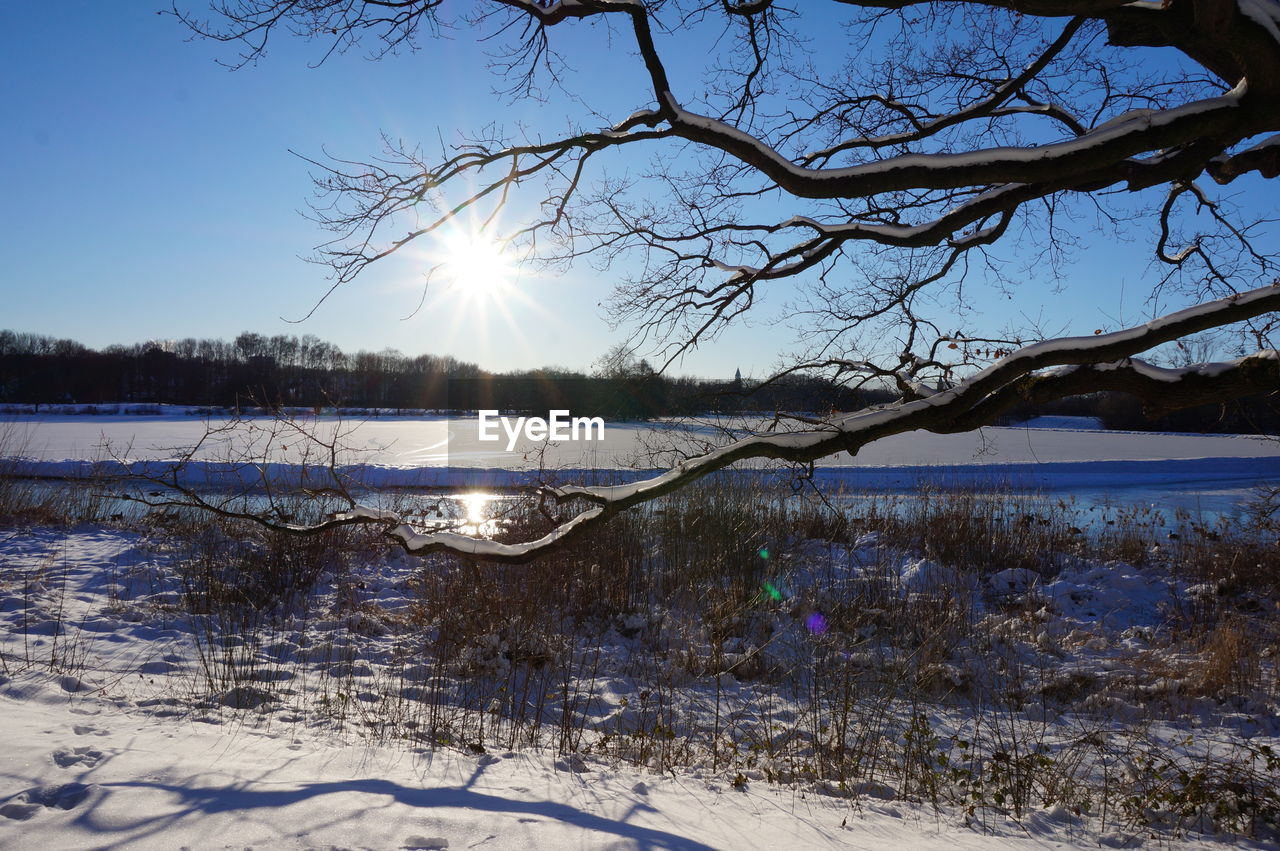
{"x":477,"y":264}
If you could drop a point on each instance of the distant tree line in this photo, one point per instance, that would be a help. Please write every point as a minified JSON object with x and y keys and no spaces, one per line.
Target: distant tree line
{"x":251,"y":370}
{"x":259,"y":371}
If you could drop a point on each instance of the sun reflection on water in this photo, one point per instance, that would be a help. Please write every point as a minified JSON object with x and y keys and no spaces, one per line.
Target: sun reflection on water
{"x":476,"y":519}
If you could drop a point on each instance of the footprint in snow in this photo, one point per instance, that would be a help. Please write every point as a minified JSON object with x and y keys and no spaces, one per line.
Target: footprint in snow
{"x":24,"y":805}
{"x":87,"y":730}
{"x":84,"y":756}
{"x":72,"y":684}
{"x":158,"y":666}
{"x":425,"y":843}
{"x":572,"y":763}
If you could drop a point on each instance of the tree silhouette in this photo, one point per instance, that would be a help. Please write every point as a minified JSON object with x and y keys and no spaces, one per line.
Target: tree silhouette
{"x":875,"y":179}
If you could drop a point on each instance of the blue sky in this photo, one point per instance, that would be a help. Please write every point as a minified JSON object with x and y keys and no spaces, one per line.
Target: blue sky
{"x":149,"y":193}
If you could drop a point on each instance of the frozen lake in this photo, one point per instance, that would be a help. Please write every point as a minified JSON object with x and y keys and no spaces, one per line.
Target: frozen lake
{"x":1054,"y":454}
{"x":442,"y":442}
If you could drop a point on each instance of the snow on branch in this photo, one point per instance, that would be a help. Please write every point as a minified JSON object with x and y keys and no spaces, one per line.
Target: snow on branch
{"x":1100,"y":153}
{"x":1263,"y":158}
{"x":985,"y":392}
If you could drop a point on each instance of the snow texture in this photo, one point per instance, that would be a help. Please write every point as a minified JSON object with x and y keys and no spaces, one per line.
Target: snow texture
{"x":109,"y":758}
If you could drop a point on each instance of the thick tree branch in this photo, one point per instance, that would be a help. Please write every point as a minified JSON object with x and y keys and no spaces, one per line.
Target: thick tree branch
{"x":1078,"y":364}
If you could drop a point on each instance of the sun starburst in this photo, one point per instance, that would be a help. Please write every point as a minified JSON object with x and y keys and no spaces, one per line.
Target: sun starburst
{"x":477,"y":264}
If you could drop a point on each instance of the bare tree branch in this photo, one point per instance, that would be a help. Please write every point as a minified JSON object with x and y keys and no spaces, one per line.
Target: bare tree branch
{"x":877,"y":182}
{"x":1075,"y":365}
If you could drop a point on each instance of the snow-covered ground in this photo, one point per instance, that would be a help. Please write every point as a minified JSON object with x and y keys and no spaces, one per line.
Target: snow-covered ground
{"x":110,"y":758}
{"x":116,"y":736}
{"x":93,"y":775}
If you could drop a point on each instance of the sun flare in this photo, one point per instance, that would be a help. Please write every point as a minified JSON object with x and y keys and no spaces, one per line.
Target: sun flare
{"x":477,"y":263}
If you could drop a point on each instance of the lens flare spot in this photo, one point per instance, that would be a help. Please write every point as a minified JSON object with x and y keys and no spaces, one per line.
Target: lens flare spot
{"x":816,"y":623}
{"x":772,"y":591}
